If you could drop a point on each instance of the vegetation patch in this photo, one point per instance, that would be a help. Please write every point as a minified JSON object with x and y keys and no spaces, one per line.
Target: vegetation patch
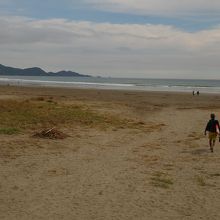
{"x":161,"y":180}
{"x":215,"y":174}
{"x":39,"y":113}
{"x":9,"y":131}
{"x":201,"y":181}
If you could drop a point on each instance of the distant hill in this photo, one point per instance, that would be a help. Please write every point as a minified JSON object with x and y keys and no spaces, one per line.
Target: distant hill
{"x":36,"y":71}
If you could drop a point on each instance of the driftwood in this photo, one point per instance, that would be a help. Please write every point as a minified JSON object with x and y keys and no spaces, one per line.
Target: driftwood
{"x":51,"y":133}
{"x":49,"y":130}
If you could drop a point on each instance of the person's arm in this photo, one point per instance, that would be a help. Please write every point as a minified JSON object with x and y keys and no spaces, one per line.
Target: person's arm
{"x":207,"y":128}
{"x":217,"y":123}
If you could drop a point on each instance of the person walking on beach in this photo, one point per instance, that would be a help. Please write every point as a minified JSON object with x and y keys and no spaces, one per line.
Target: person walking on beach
{"x":213,"y":128}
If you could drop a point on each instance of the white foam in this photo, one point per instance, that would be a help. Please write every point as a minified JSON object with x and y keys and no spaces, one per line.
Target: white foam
{"x":46,"y":82}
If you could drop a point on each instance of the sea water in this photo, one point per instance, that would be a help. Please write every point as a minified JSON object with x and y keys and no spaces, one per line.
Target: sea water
{"x":175,"y":85}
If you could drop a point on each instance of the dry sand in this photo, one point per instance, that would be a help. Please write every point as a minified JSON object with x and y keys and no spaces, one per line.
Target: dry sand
{"x":163,"y":172}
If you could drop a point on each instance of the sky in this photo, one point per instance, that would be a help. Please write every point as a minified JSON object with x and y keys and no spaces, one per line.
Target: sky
{"x":113,"y":38}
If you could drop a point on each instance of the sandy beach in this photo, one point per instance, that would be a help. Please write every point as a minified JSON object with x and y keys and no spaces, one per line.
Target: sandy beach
{"x":128,"y":155}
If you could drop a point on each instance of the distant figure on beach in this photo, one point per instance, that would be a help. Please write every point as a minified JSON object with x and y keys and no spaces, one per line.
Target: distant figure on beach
{"x":193,"y":92}
{"x":197,"y":92}
{"x":213,"y":128}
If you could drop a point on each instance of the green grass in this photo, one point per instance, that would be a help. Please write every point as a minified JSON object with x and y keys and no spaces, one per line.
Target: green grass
{"x":9,"y":131}
{"x":40,"y":113}
{"x":161,"y":180}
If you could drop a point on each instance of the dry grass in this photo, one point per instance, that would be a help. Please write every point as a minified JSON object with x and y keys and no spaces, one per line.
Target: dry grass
{"x":201,"y":181}
{"x":215,"y":174}
{"x":150,"y":158}
{"x":39,"y":113}
{"x":26,"y":114}
{"x":161,"y":180}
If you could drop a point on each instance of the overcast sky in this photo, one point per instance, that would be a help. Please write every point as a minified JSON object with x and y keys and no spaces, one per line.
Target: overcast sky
{"x":118,"y":38}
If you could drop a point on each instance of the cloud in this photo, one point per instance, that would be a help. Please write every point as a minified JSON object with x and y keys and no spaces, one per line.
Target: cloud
{"x":105,"y":36}
{"x":107,"y":49}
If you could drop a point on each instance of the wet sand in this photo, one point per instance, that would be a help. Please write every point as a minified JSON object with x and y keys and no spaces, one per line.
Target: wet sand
{"x":160,"y":169}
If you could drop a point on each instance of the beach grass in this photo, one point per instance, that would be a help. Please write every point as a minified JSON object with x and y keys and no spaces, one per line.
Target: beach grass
{"x":201,"y":181}
{"x":215,"y":175}
{"x":161,"y":180}
{"x":38,"y":113}
{"x":9,"y":131}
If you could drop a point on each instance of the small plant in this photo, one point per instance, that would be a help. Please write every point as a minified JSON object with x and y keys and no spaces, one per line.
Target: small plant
{"x":201,"y":181}
{"x":215,"y":174}
{"x":161,"y":180}
{"x":40,"y":98}
{"x":9,"y":131}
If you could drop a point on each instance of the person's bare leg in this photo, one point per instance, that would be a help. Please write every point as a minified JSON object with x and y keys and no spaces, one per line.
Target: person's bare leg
{"x":211,"y":145}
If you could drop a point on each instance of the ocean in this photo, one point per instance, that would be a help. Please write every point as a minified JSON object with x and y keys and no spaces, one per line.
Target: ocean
{"x":172,"y":85}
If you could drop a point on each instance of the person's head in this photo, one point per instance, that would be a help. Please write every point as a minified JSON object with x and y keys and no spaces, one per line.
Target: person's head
{"x":212,"y":116}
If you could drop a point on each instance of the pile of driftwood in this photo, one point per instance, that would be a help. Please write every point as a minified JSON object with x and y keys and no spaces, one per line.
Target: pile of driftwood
{"x":51,"y":133}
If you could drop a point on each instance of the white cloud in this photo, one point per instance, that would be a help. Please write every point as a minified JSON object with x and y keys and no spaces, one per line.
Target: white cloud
{"x":108,"y":49}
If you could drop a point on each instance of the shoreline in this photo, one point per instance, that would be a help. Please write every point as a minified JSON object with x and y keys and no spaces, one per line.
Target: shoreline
{"x":106,"y":89}
{"x":42,"y":90}
{"x":125,"y":85}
